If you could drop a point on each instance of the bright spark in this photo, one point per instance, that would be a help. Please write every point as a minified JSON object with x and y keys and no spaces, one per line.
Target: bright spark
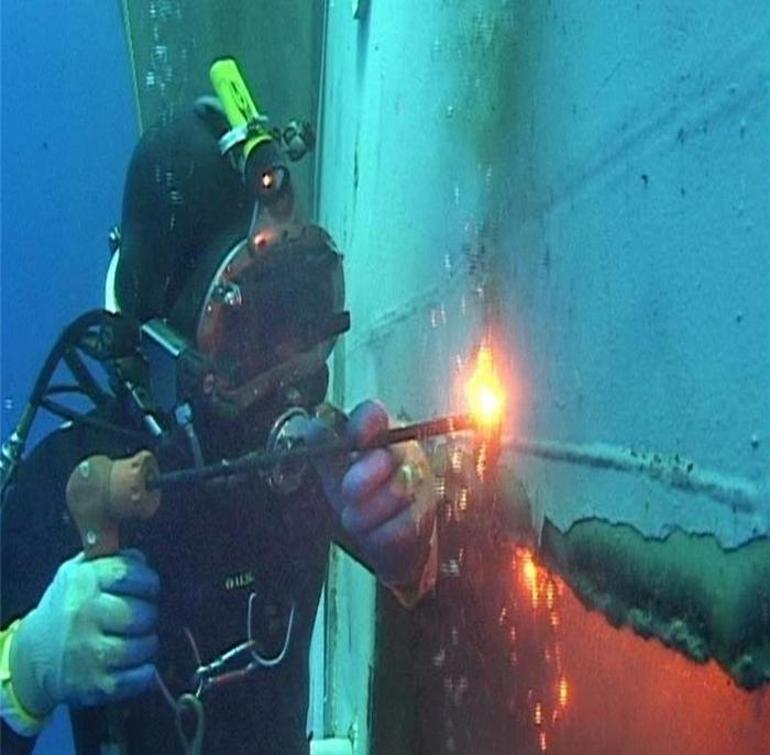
{"x":484,"y":391}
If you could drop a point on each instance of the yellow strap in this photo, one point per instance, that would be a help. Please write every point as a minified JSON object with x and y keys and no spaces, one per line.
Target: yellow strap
{"x":11,"y":710}
{"x":6,"y":635}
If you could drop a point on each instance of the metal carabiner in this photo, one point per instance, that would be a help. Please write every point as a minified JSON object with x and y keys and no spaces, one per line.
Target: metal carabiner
{"x":215,"y":673}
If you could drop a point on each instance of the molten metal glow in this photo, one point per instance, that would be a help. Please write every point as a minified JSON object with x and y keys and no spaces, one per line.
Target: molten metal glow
{"x":529,"y":571}
{"x":563,"y":692}
{"x":484,"y":391}
{"x":549,"y":594}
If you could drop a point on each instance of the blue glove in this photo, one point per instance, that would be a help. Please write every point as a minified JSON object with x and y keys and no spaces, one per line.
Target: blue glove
{"x":384,"y":498}
{"x":91,"y":638}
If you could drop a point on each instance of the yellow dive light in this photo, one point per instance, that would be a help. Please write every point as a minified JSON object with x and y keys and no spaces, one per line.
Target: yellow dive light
{"x":241,"y":110}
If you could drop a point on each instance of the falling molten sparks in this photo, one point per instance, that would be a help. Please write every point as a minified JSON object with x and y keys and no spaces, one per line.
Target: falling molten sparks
{"x":484,"y":391}
{"x":542,"y":591}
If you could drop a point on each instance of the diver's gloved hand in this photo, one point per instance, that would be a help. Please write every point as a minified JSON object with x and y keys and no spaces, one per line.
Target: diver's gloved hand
{"x":385,"y":498}
{"x":91,"y":638}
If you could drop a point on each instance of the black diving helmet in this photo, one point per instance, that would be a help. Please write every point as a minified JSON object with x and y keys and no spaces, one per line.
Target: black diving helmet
{"x":261,"y":319}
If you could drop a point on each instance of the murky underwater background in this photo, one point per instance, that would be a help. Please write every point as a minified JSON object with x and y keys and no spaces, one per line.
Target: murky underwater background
{"x":590,"y":184}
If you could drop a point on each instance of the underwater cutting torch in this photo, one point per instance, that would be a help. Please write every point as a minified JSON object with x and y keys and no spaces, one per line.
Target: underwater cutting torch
{"x":102,"y":492}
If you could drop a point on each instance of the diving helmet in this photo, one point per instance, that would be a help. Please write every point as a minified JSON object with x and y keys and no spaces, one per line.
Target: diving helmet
{"x":236,"y":302}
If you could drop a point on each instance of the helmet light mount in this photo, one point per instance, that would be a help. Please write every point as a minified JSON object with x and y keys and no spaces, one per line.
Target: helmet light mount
{"x":253,"y":145}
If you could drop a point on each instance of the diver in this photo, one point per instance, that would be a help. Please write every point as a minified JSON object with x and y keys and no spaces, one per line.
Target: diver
{"x":196,"y":633}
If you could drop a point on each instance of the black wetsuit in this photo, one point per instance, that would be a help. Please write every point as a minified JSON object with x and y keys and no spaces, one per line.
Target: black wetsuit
{"x":212,"y":548}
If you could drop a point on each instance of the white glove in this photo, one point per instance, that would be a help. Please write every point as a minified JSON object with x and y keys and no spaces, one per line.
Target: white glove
{"x":91,"y":638}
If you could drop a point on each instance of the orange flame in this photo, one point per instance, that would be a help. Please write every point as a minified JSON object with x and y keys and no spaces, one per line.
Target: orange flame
{"x":484,"y":391}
